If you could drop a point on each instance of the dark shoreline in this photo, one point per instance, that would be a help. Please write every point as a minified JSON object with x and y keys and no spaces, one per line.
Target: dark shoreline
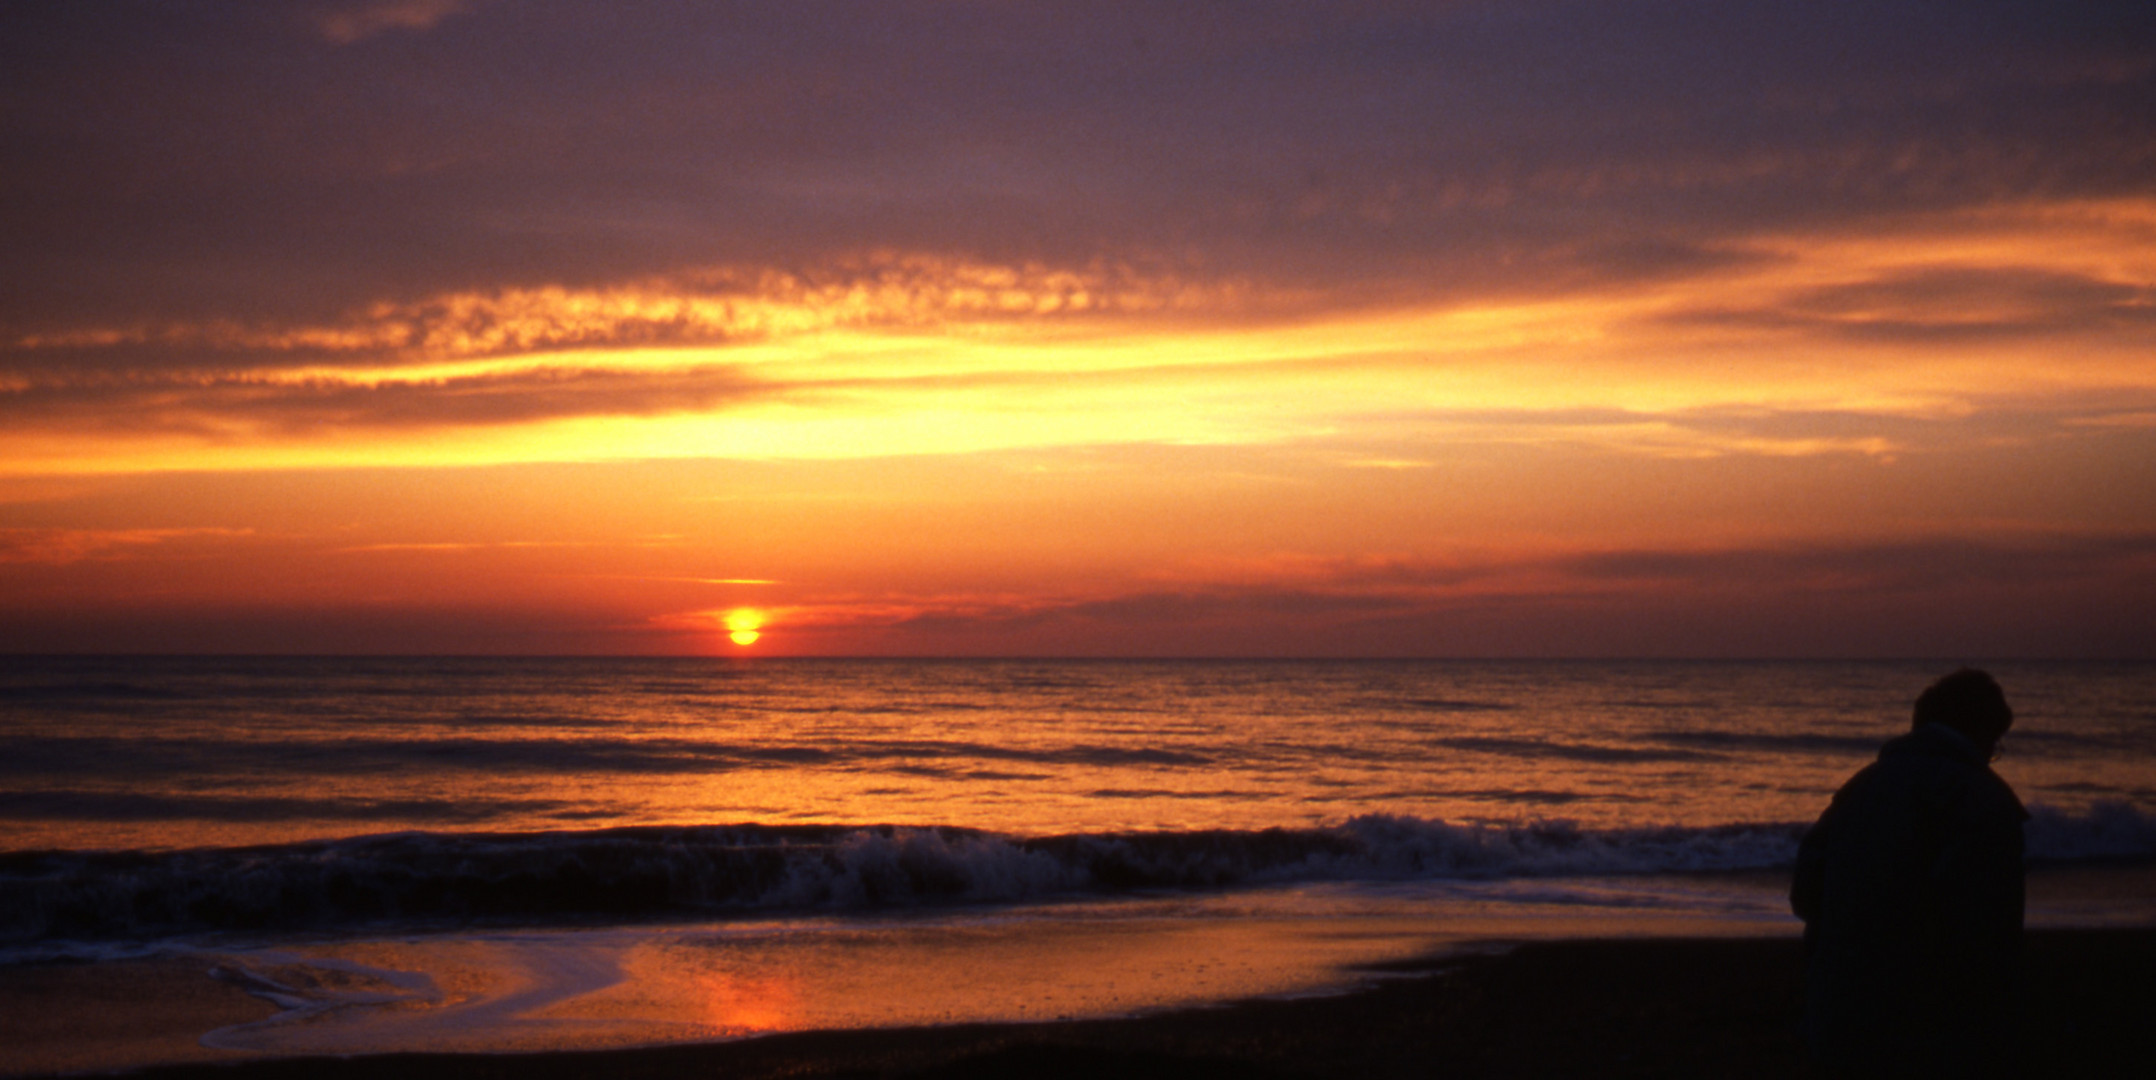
{"x":1661,"y":1007}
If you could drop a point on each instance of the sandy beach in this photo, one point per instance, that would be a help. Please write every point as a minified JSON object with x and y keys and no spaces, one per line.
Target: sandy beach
{"x":1659,"y":1007}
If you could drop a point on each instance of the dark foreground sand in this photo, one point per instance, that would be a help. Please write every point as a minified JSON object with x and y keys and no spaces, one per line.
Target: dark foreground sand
{"x":1607,"y":1008}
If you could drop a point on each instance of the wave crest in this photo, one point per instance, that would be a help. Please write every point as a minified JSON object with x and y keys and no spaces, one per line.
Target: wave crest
{"x":421,"y":879}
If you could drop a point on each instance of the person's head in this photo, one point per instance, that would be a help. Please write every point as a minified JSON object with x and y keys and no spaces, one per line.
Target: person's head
{"x":1970,"y":702}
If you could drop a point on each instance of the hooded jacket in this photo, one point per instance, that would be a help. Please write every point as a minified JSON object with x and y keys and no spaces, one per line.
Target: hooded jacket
{"x":1910,"y":888}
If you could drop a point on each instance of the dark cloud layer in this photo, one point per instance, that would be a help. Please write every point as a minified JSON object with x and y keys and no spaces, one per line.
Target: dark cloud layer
{"x":1911,"y":567}
{"x":2056,"y":595}
{"x":2064,"y":594}
{"x":190,"y":161}
{"x":1952,"y":307}
{"x":223,"y":405}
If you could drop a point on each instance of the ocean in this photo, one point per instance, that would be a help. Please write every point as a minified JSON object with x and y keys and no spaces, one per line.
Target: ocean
{"x":495,"y":854}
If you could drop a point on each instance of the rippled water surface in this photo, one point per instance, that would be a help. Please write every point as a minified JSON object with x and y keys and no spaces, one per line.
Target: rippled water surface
{"x":547,"y":854}
{"x":135,"y":753}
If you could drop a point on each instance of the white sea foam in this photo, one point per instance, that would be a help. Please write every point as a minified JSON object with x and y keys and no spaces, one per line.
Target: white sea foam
{"x":420,"y":879}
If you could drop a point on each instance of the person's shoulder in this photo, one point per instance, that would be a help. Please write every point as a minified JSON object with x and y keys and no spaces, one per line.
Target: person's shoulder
{"x":1861,"y":780}
{"x":1975,"y":794}
{"x":1902,"y":760}
{"x":1990,"y":796}
{"x":1942,"y":773}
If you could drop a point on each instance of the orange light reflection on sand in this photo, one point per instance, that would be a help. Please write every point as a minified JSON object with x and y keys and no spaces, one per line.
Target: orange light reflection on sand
{"x":741,"y":1005}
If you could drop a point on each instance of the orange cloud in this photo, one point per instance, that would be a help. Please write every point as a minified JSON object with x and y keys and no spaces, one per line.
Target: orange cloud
{"x":61,"y":546}
{"x":906,"y":354}
{"x":357,"y":22}
{"x":710,"y":306}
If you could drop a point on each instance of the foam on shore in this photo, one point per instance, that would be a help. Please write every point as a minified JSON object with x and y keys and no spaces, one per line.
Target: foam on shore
{"x":603,"y":988}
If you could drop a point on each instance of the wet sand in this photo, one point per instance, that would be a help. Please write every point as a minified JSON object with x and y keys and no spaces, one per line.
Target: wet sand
{"x":1572,"y":1008}
{"x":97,"y":1017}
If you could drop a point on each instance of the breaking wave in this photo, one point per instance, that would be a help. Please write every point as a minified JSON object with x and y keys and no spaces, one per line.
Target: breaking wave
{"x":432,"y":879}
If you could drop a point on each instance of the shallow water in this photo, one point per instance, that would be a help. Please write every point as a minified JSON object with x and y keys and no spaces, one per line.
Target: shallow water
{"x":546,"y":990}
{"x":590,"y":988}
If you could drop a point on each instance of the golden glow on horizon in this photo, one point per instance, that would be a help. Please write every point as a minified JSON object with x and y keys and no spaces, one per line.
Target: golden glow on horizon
{"x":967,"y":482}
{"x":935,"y":364}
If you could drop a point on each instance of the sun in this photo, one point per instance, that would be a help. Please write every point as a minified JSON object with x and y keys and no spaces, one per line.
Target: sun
{"x":742,"y":625}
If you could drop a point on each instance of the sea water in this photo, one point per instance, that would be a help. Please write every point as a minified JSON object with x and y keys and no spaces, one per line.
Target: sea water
{"x":471,"y":854}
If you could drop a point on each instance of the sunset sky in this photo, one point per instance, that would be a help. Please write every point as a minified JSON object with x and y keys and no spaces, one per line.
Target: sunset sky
{"x":1191,"y":329}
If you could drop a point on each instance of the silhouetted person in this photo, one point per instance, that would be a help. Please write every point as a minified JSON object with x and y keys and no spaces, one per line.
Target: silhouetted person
{"x":1910,"y":888}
